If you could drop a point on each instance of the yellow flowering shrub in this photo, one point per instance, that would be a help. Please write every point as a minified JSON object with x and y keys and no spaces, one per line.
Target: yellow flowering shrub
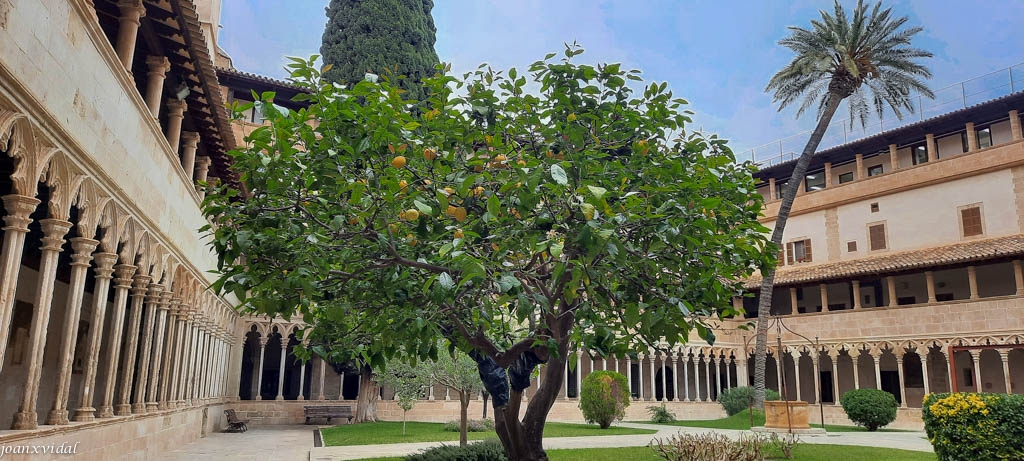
{"x":975,"y":426}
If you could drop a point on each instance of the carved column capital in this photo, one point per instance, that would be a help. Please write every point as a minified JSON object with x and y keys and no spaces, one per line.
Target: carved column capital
{"x":18,"y":207}
{"x":191,"y":140}
{"x":176,"y":108}
{"x":54,"y":231}
{"x":158,"y":65}
{"x":131,"y":10}
{"x":141,"y":284}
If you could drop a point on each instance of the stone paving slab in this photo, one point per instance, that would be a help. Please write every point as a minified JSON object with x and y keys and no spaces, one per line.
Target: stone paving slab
{"x":277,"y":443}
{"x":295,"y":443}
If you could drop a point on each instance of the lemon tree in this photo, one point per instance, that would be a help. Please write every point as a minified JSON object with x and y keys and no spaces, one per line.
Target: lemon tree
{"x":518,"y":224}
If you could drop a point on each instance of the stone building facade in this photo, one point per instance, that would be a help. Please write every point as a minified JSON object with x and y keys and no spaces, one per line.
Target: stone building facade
{"x":111,"y":115}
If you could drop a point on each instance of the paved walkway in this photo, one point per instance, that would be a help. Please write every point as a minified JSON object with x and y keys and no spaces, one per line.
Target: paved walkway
{"x":288,"y":443}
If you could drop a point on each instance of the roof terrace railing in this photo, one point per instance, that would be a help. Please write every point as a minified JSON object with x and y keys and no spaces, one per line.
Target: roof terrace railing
{"x":947,"y":99}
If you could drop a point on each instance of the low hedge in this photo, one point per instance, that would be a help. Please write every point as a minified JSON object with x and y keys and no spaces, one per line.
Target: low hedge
{"x":737,"y":399}
{"x":969,"y":426}
{"x":488,"y":450}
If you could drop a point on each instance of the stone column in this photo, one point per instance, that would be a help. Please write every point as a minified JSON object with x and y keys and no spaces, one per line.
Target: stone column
{"x":972,"y":280}
{"x":1004,"y":355}
{"x":675,"y":378}
{"x":718,"y":375}
{"x":856,"y":293}
{"x":629,"y":376}
{"x":976,"y":361}
{"x":771,"y":189}
{"x":16,"y":223}
{"x":929,"y":278}
{"x":834,"y":355}
{"x":104,"y":271}
{"x":1015,"y":132}
{"x":922,"y":352}
{"x":972,"y":138}
{"x":891,"y":282}
{"x":146,"y":348}
{"x":204,"y":362}
{"x":188,"y":153}
{"x":54,"y":231}
{"x":640,"y":376}
{"x":302,"y":382}
{"x":341,"y":386}
{"x":175,"y":114}
{"x":158,"y":67}
{"x":83,"y":248}
{"x":156,"y":354}
{"x":903,"y":387}
{"x":815,"y":360}
{"x":189,"y":382}
{"x":696,"y":376}
{"x":686,"y":376}
{"x":180,"y":356}
{"x":163,"y":402}
{"x":933,"y":151}
{"x":828,"y":175}
{"x":707,"y":377}
{"x":323,"y":371}
{"x":856,"y":369}
{"x":793,"y":301}
{"x":1018,"y":277}
{"x":132,"y":12}
{"x":894,"y":160}
{"x":876,"y":357}
{"x":859,"y":172}
{"x":654,"y":374}
{"x":202,"y":170}
{"x":796,"y":373}
{"x":664,"y":381}
{"x":280,"y":374}
{"x":823,"y":288}
{"x":122,"y":283}
{"x":188,"y":362}
{"x":728,"y":372}
{"x":579,"y":373}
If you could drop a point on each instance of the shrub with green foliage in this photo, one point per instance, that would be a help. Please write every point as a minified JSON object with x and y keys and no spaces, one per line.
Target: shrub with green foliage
{"x":713,"y":446}
{"x":660,"y":414}
{"x":969,"y":426}
{"x":870,"y":408}
{"x":737,"y":399}
{"x":473,"y":425}
{"x":488,"y":450}
{"x":604,"y":397}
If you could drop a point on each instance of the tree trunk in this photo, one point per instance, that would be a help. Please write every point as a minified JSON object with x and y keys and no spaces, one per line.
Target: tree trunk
{"x":403,"y":421}
{"x":366,"y":401}
{"x":484,"y":395}
{"x":523,"y":441}
{"x":463,"y":417}
{"x":764,"y":301}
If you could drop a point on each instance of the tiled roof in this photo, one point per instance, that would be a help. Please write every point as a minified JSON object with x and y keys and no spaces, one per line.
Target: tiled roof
{"x":957,"y":253}
{"x":261,"y":78}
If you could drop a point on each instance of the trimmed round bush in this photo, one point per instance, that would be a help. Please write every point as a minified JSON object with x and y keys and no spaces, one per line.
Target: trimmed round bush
{"x":737,"y":399}
{"x":604,"y":397}
{"x":871,"y":408}
{"x":969,"y":426}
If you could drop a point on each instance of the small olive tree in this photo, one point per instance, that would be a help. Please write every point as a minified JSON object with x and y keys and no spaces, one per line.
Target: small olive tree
{"x":408,"y":381}
{"x":458,"y":372}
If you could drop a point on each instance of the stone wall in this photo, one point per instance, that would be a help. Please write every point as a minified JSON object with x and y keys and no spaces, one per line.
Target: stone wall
{"x":121,"y":438}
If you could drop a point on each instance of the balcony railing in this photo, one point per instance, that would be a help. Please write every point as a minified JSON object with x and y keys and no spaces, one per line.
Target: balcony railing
{"x":947,"y":99}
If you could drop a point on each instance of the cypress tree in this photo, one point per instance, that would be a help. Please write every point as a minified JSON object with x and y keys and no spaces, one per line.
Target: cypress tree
{"x":393,"y":37}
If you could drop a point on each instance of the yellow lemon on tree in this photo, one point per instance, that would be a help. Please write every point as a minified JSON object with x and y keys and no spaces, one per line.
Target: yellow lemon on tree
{"x":412,"y":215}
{"x":459,"y":214}
{"x":459,"y":234}
{"x":429,"y":154}
{"x":398,"y":162}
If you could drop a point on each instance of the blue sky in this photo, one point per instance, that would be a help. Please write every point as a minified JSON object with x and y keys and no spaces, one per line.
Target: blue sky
{"x":717,"y":54}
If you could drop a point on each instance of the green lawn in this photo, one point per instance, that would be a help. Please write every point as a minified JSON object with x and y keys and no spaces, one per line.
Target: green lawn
{"x":741,"y":420}
{"x":391,"y":432}
{"x":804,"y":452}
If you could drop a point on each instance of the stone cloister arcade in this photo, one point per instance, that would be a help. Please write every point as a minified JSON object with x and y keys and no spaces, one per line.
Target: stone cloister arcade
{"x":99,"y":315}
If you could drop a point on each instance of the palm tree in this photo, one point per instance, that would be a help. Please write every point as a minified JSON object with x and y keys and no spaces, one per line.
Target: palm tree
{"x":867,"y":59}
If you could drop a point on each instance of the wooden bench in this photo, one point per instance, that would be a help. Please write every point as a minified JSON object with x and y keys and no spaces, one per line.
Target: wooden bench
{"x":235,"y":424}
{"x":328,"y":411}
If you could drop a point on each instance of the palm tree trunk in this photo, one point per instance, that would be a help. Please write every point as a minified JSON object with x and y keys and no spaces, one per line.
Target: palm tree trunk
{"x":764,"y":301}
